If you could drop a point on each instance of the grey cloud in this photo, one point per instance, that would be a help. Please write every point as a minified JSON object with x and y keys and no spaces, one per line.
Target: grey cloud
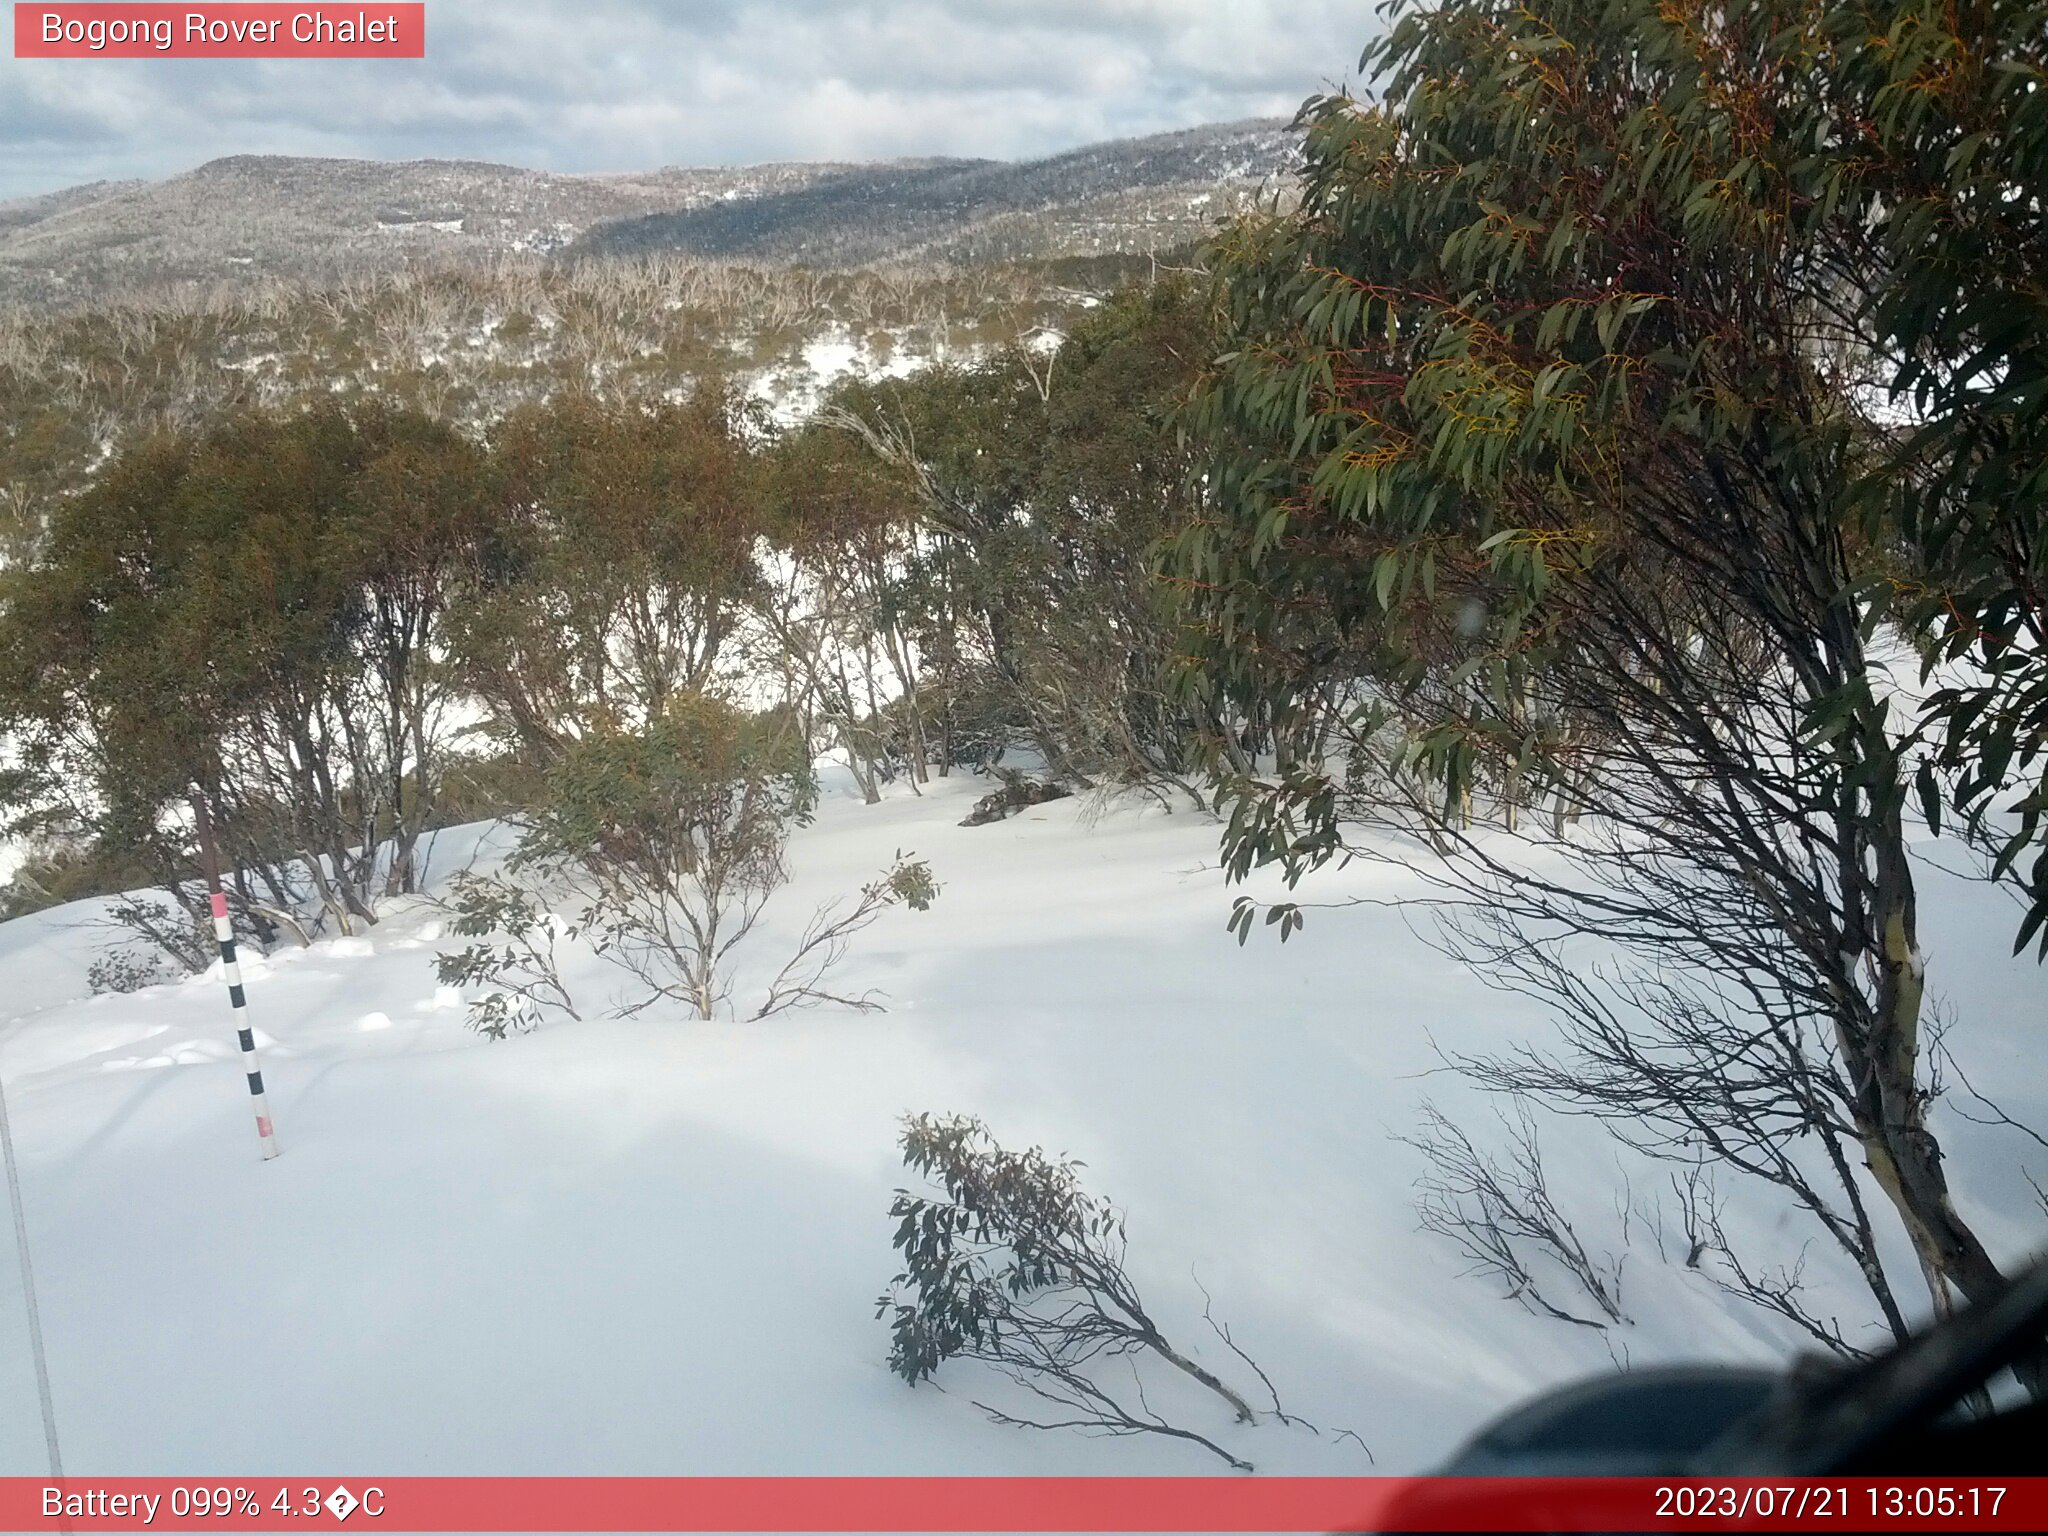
{"x":631,"y":84}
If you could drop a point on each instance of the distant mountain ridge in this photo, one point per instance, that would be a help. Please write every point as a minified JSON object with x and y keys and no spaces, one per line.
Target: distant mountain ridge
{"x":876,"y":212}
{"x":288,"y":216}
{"x":253,"y":216}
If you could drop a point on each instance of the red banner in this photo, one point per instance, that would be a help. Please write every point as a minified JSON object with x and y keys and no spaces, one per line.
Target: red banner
{"x":1006,"y":1504}
{"x":214,"y":31}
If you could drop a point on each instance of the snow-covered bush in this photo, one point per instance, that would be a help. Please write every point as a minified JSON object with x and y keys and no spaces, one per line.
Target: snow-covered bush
{"x":800,"y":983}
{"x":1017,"y":1266}
{"x":666,"y":843}
{"x":181,"y":937}
{"x":515,"y":958}
{"x":124,"y":970}
{"x":1498,"y":1209}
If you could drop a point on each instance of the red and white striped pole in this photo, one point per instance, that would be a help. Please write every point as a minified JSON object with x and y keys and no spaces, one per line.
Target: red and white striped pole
{"x":224,"y":931}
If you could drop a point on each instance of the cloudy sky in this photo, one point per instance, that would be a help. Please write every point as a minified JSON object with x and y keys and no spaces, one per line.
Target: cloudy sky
{"x":596,"y":85}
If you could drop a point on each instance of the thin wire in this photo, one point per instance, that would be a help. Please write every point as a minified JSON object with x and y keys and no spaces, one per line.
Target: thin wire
{"x":28,"y":1291}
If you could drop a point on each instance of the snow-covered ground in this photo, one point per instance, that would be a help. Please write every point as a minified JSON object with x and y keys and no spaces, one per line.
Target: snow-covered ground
{"x":793,"y":389}
{"x":655,"y":1246}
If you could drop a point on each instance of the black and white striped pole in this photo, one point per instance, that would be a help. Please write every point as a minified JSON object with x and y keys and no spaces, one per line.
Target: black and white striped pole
{"x":224,"y":931}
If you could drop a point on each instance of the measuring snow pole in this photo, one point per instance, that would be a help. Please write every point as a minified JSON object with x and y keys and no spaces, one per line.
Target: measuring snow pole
{"x":224,"y":931}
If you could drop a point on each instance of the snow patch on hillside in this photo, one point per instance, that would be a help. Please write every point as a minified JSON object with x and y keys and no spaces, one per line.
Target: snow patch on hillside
{"x":794,"y":388}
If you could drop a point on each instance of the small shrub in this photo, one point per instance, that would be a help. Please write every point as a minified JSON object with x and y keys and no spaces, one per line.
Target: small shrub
{"x":1499,"y":1211}
{"x":482,"y":788}
{"x":668,"y":842}
{"x":672,"y":838}
{"x":124,"y":970}
{"x":516,"y":959}
{"x":1016,"y":1266}
{"x":907,"y":882}
{"x":182,"y":935}
{"x":49,"y":877}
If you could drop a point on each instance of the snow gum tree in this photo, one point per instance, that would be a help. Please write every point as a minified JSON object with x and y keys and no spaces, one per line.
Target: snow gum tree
{"x":671,"y":840}
{"x":252,"y":614}
{"x":629,"y":538}
{"x":857,"y":628}
{"x":673,"y":835}
{"x":1041,"y":482}
{"x":1943,"y":114}
{"x":1542,"y":455}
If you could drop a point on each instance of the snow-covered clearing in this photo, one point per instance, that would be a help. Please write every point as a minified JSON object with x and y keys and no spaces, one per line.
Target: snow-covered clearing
{"x":655,"y":1246}
{"x":793,"y":389}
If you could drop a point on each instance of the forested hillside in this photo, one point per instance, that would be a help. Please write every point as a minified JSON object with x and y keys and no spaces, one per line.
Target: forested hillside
{"x":1136,"y":196}
{"x":466,"y":345}
{"x":231,"y":225}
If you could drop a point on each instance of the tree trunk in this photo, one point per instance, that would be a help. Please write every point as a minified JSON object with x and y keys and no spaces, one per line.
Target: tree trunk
{"x":1914,"y":1155}
{"x":1890,"y":1106}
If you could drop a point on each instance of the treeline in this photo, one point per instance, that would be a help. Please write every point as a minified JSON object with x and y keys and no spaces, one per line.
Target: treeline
{"x":468,"y":345}
{"x":340,"y":626}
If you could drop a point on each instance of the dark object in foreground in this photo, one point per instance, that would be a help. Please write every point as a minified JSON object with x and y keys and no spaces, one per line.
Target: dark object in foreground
{"x":1637,"y":1424}
{"x":1907,"y":1413}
